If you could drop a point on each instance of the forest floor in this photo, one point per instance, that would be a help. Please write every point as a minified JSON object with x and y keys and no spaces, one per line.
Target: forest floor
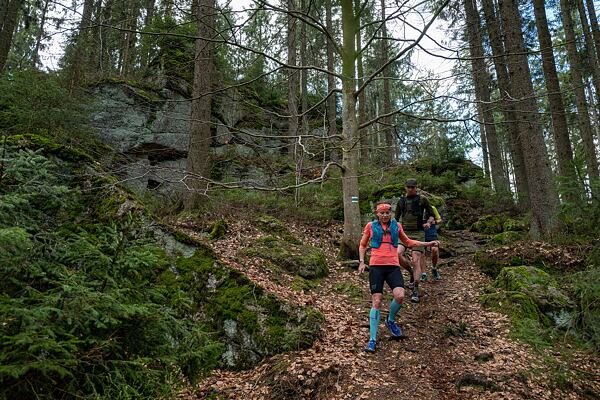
{"x":454,"y":348}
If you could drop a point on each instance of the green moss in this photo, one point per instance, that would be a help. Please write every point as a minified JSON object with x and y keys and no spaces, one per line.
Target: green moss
{"x":516,"y":305}
{"x":218,"y":230}
{"x":490,"y":224}
{"x":221,"y":293}
{"x":488,"y":264}
{"x":512,"y":224}
{"x":300,"y":284}
{"x":507,"y":237}
{"x":273,"y":226}
{"x":48,"y":147}
{"x":350,"y":290}
{"x":307,"y":261}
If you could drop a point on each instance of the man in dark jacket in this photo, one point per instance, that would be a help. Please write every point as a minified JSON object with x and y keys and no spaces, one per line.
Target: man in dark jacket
{"x":416,"y":215}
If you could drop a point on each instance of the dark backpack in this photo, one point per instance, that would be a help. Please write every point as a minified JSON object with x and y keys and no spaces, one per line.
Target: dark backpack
{"x":416,"y":207}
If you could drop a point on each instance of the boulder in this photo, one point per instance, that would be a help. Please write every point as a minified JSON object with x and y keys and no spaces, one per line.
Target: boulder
{"x":526,"y":292}
{"x":507,"y":237}
{"x":303,"y":260}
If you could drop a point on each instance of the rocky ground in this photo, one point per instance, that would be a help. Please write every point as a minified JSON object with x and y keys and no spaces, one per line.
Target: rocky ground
{"x":454,"y":348}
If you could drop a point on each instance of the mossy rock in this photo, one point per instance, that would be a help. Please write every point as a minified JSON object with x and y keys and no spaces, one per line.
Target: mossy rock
{"x":512,"y":224}
{"x":218,"y":230}
{"x":490,"y":224}
{"x":249,"y":322}
{"x":526,"y":292}
{"x":48,"y":147}
{"x":536,"y":284}
{"x":488,"y":264}
{"x":516,"y":305}
{"x":272,"y":226}
{"x":507,"y":237}
{"x":303,"y":260}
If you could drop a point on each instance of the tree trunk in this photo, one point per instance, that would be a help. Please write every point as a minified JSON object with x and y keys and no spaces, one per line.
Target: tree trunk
{"x":147,"y":21}
{"x":577,"y":83}
{"x":131,"y":38}
{"x":352,"y":227}
{"x":82,"y":44}
{"x":481,"y":81}
{"x":199,"y":156}
{"x":35,"y":57}
{"x":331,"y":101}
{"x":362,"y":97}
{"x":557,"y":109}
{"x":484,"y":146}
{"x":387,"y":107}
{"x":168,"y":13}
{"x":589,"y":48}
{"x":508,"y":110}
{"x":292,"y":75}
{"x":539,"y":176}
{"x":8,"y":21}
{"x":304,"y":72}
{"x":595,"y":28}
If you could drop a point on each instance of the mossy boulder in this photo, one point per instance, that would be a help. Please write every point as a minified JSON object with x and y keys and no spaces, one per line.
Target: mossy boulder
{"x":272,"y":226}
{"x":529,"y":292}
{"x":516,"y":305}
{"x":488,"y":264}
{"x":490,"y":224}
{"x":218,"y":230}
{"x":304,"y":260}
{"x":507,"y":237}
{"x":512,"y":224}
{"x":250,"y":323}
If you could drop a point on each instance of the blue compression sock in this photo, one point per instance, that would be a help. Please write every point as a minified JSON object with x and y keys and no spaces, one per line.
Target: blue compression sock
{"x":394,"y":308}
{"x":374,"y":322}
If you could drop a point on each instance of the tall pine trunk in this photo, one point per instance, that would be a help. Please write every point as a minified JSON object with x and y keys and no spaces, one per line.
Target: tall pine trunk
{"x":508,"y":109}
{"x":8,"y":20}
{"x":386,"y":106}
{"x":577,"y":83}
{"x":304,"y":72}
{"x":148,"y":18}
{"x":595,"y":28}
{"x":543,"y":198}
{"x":80,"y":60}
{"x":589,"y":48}
{"x":560,"y":129}
{"x":352,"y":227}
{"x":331,"y":103}
{"x":362,"y":97}
{"x":35,"y":57}
{"x":199,"y":155}
{"x":481,"y":81}
{"x":292,"y":74}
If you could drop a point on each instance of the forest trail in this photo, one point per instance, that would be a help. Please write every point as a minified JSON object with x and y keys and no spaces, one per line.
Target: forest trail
{"x":454,"y":348}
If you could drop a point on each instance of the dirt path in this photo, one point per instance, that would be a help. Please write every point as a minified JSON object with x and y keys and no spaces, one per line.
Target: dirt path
{"x":455,"y":349}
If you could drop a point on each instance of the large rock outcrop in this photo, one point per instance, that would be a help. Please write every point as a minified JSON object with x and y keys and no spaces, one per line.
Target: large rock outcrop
{"x":149,"y":126}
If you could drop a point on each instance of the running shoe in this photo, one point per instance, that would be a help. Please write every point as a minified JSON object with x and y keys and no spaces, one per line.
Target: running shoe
{"x":424,"y":277}
{"x":394,"y":328}
{"x":414,"y":297}
{"x":370,"y":347}
{"x":436,"y":274}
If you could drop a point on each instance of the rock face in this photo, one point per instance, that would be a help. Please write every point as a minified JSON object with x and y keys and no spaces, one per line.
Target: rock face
{"x":150,"y":127}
